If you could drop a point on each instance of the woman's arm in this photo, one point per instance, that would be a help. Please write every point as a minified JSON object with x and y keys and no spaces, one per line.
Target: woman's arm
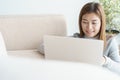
{"x":112,"y":56}
{"x":112,"y":65}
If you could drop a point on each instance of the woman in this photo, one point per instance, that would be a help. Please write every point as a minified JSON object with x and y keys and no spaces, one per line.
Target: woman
{"x":92,"y":26}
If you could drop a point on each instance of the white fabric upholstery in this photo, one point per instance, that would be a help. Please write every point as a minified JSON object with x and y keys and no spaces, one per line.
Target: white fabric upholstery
{"x":3,"y":51}
{"x":25,"y":32}
{"x":26,"y":69}
{"x":22,"y":35}
{"x":32,"y":54}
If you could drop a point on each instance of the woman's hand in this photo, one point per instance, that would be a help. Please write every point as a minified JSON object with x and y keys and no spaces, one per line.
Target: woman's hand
{"x":103,"y":60}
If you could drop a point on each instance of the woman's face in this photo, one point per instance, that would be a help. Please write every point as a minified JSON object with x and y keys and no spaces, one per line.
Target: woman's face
{"x":90,"y":24}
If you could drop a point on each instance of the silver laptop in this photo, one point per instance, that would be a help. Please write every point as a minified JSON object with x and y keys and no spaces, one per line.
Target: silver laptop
{"x":73,"y":49}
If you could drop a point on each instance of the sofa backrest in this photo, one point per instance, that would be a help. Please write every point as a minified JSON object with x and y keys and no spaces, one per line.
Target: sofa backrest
{"x":23,"y":32}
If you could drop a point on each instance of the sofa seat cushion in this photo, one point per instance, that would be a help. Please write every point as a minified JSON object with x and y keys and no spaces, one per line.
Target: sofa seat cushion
{"x":32,"y":54}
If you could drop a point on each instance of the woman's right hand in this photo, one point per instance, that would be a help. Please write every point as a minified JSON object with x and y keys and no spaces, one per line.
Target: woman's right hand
{"x":103,"y":60}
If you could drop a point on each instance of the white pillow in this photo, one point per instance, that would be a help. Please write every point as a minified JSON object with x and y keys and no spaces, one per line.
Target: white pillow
{"x":3,"y":51}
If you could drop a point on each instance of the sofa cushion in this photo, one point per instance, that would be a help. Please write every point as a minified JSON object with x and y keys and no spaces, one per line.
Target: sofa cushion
{"x":3,"y":51}
{"x":25,"y":32}
{"x":31,"y":54}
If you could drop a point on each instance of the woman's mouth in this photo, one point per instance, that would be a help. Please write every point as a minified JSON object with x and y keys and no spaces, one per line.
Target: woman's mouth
{"x":89,"y":32}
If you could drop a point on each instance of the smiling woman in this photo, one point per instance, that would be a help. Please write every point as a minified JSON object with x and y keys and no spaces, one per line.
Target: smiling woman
{"x":92,"y":25}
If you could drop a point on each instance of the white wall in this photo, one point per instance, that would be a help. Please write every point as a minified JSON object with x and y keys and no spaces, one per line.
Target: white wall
{"x":69,"y":8}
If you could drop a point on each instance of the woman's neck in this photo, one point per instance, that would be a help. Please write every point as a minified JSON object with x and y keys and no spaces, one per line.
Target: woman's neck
{"x":96,"y":37}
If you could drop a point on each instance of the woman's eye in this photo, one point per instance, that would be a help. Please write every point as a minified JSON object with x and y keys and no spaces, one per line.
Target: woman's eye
{"x":85,"y":22}
{"x":94,"y":23}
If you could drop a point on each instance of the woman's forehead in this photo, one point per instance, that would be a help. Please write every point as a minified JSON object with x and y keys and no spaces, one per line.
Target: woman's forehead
{"x":90,"y":16}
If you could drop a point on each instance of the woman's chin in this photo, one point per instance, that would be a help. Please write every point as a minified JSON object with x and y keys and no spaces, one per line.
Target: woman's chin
{"x":90,"y":36}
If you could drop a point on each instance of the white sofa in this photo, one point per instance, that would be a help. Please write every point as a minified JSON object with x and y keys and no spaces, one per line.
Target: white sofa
{"x":23,"y":33}
{"x":32,"y":69}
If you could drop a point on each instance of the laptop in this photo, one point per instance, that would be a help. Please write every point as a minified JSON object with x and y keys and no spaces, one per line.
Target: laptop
{"x":73,"y":49}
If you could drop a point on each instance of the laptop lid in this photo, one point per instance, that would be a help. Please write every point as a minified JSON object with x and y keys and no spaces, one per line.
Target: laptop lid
{"x":73,"y":49}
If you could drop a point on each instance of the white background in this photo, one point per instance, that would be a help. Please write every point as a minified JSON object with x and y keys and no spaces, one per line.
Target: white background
{"x":69,"y":8}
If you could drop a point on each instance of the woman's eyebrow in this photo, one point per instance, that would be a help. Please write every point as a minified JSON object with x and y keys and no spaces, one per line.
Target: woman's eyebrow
{"x":95,"y":20}
{"x":85,"y":19}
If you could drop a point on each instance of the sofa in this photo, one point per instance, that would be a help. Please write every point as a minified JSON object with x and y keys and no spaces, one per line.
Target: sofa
{"x":20,"y":37}
{"x":14,"y":68}
{"x":23,"y":34}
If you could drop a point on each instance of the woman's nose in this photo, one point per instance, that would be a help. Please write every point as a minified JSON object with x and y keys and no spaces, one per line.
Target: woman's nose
{"x":89,"y":26}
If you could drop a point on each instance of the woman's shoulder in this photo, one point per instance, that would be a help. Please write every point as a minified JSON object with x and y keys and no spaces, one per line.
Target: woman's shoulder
{"x":111,"y":39}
